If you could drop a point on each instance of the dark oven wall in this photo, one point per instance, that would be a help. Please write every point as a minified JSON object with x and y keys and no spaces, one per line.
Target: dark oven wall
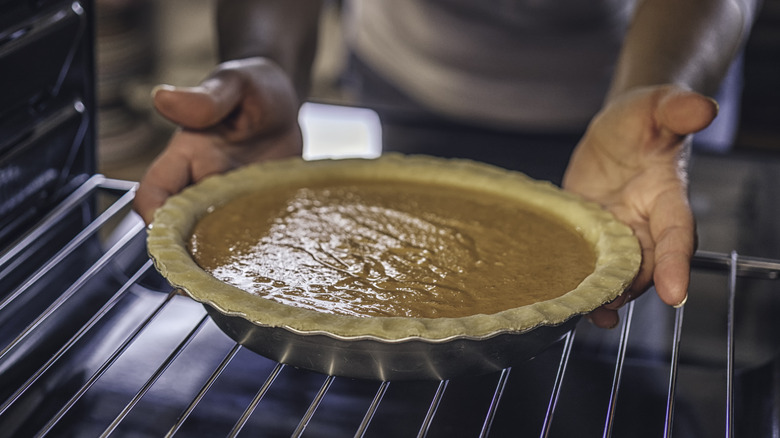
{"x":47,"y":138}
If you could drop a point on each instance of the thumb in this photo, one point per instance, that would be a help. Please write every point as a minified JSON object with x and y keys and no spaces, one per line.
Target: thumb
{"x":198,"y":107}
{"x":685,"y":112}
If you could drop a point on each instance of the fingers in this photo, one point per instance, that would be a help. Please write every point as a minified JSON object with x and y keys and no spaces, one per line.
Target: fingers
{"x":685,"y":112}
{"x":673,"y":229}
{"x":668,"y":242}
{"x":240,"y":100}
{"x":671,"y":221}
{"x":245,"y":111}
{"x":167,"y":175}
{"x":198,"y":107}
{"x":604,"y":318}
{"x":643,"y":136}
{"x":188,"y":158}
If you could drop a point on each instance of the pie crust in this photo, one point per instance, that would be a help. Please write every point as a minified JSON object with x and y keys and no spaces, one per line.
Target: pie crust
{"x":616,"y":249}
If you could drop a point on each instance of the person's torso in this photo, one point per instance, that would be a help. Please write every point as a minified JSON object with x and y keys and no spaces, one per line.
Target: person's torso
{"x":527,"y":64}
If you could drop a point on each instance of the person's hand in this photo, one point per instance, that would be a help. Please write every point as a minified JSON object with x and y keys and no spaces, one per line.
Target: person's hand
{"x":245,"y":111}
{"x":633,"y":160}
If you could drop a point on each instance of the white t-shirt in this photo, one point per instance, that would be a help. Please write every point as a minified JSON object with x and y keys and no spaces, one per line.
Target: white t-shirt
{"x":522,"y":64}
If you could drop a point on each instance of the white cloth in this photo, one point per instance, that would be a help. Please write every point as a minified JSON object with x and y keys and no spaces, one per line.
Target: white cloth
{"x":521,"y":64}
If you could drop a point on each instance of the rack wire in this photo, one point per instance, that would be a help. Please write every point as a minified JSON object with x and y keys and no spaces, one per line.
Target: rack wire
{"x":56,"y":379}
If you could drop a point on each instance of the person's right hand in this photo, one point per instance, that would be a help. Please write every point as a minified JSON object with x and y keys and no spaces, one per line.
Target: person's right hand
{"x":245,"y":111}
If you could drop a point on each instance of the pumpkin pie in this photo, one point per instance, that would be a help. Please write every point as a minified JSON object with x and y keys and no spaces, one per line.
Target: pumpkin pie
{"x":392,"y":248}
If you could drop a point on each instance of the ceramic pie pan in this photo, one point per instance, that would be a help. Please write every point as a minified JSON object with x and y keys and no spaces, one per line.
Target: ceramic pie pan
{"x":392,"y":348}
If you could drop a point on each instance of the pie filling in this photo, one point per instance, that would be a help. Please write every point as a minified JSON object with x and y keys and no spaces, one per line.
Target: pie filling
{"x":391,"y":249}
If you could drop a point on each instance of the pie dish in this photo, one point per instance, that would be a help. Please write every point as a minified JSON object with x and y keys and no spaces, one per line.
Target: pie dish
{"x":394,"y":347}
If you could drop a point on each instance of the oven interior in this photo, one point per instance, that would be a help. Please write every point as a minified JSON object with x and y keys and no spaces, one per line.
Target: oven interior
{"x":93,"y":341}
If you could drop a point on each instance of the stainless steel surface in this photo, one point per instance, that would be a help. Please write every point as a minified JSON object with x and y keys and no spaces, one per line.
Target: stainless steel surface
{"x":678,"y":320}
{"x":745,"y":266}
{"x":384,"y":348}
{"x":730,"y":345}
{"x":556,"y":391}
{"x":616,"y":380}
{"x":411,"y":359}
{"x":146,"y":361}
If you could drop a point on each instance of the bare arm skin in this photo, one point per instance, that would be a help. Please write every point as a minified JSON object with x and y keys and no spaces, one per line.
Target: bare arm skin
{"x":688,"y":43}
{"x":282,"y":30}
{"x":246,"y":110}
{"x":633,"y":158}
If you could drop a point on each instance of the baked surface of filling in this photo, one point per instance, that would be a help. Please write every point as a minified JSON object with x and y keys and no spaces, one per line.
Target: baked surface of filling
{"x":391,"y":249}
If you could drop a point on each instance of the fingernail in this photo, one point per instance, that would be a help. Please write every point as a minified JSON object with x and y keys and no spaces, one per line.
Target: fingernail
{"x":681,"y":303}
{"x":614,"y":324}
{"x":159,"y":87}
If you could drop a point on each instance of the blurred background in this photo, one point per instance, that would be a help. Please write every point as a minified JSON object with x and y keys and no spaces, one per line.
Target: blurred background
{"x":141,"y":43}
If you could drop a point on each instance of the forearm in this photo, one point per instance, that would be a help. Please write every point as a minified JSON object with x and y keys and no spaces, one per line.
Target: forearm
{"x":282,"y":30}
{"x":689,"y":43}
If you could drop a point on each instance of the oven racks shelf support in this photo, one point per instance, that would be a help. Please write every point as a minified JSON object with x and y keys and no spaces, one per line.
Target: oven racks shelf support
{"x":94,"y":406}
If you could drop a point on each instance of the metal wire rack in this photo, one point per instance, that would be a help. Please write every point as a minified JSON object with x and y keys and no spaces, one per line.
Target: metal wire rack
{"x":94,"y":343}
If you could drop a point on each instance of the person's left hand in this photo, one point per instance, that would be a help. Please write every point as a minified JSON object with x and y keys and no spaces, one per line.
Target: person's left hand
{"x":633,"y":160}
{"x":245,"y":111}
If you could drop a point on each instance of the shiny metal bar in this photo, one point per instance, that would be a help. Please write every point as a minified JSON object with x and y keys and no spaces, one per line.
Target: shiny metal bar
{"x":617,"y":377}
{"x":746,"y":266}
{"x":256,"y":400}
{"x":75,"y":338}
{"x":380,"y":393}
{"x":730,"y":346}
{"x":78,"y":240}
{"x":202,"y":393}
{"x":497,"y":394}
{"x":670,"y":395}
{"x":105,"y":366}
{"x":426,"y":425}
{"x":736,"y":266}
{"x":72,"y":201}
{"x":556,"y":392}
{"x":118,"y":185}
{"x":159,"y":372}
{"x":313,"y":407}
{"x":75,"y":287}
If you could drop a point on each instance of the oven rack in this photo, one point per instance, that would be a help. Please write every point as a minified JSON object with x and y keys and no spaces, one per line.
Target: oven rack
{"x":107,"y":348}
